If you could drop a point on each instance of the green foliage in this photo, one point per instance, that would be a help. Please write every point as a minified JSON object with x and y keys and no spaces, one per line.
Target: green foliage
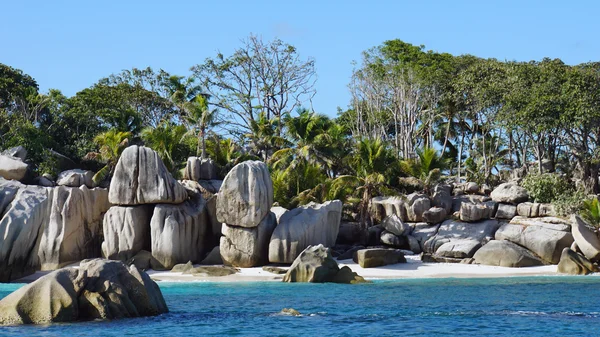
{"x":168,"y":141}
{"x":547,"y":187}
{"x":591,"y":211}
{"x":569,"y":203}
{"x":111,"y":143}
{"x":426,"y":167}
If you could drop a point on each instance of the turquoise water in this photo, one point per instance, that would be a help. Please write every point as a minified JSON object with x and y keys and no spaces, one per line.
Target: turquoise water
{"x":532,"y":306}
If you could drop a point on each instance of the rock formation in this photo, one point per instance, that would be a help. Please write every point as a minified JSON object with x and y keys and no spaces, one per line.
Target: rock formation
{"x":315,"y":264}
{"x":509,"y":193}
{"x":247,"y":247}
{"x":377,"y":257}
{"x":506,"y":254}
{"x":126,"y":231}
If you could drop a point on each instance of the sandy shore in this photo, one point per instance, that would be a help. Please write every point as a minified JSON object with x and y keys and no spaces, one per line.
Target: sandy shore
{"x":414,"y":268}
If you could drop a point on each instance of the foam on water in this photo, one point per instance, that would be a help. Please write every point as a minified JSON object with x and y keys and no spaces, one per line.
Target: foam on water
{"x":531,"y":306}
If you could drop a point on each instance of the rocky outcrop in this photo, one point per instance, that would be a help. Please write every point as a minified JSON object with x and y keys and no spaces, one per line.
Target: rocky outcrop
{"x":177,"y":232}
{"x":416,"y":205}
{"x":23,"y":213}
{"x":458,"y":249}
{"x":456,"y":231}
{"x":246,"y":195}
{"x":545,"y":240}
{"x":506,"y":254}
{"x":421,"y":232}
{"x":304,"y":226}
{"x":477,"y":212}
{"x":73,"y":229}
{"x":207,"y":189}
{"x":442,"y":197}
{"x":382,"y":207}
{"x":534,"y":209}
{"x":395,"y":225}
{"x":100,"y":289}
{"x":200,"y":169}
{"x":247,"y":247}
{"x":377,"y":257}
{"x":75,"y":178}
{"x":509,"y":193}
{"x":506,"y":211}
{"x":140,"y":177}
{"x":575,"y":264}
{"x":126,"y":231}
{"x":12,"y":168}
{"x":435,"y":215}
{"x":474,"y":199}
{"x":587,"y":241}
{"x":315,"y":264}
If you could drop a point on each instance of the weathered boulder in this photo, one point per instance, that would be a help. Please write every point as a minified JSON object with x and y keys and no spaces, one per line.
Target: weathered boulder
{"x":377,"y":257}
{"x":435,"y":215}
{"x":18,"y":152}
{"x":12,"y":168}
{"x":207,"y":189}
{"x":477,"y":212}
{"x":200,"y":169}
{"x":442,"y":197}
{"x":509,"y":193}
{"x":506,"y":254}
{"x":140,"y":177}
{"x":543,"y":239}
{"x":382,"y":207}
{"x":506,"y":211}
{"x":73,"y":226}
{"x":575,"y":264}
{"x":100,"y":289}
{"x":246,"y":195}
{"x":587,"y":241}
{"x":534,"y":209}
{"x":395,"y":225}
{"x":23,"y":212}
{"x":459,"y":249}
{"x":247,"y":247}
{"x":126,"y":231}
{"x":416,"y":205}
{"x":177,"y":232}
{"x":315,"y":264}
{"x":471,"y":187}
{"x":474,"y":199}
{"x":76,"y":178}
{"x":452,"y":230}
{"x":389,"y":239}
{"x":304,"y":226}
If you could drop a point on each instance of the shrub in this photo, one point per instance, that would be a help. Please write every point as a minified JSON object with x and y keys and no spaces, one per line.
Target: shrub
{"x":591,"y":211}
{"x":547,"y":187}
{"x":569,"y":203}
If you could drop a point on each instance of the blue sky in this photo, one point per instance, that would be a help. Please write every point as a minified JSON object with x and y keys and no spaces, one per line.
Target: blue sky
{"x":69,"y":45}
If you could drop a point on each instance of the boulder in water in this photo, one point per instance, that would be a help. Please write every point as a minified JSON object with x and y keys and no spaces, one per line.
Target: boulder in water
{"x":315,"y":264}
{"x":575,"y":264}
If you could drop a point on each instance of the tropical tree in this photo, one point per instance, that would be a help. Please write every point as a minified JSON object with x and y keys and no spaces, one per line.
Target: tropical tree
{"x":427,"y":167}
{"x":166,"y":140}
{"x":111,"y":144}
{"x":200,"y":118}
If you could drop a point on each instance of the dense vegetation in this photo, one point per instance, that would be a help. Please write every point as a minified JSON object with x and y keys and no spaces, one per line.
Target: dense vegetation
{"x":414,"y":113}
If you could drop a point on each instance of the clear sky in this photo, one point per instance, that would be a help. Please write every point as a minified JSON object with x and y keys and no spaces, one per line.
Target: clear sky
{"x":69,"y":45}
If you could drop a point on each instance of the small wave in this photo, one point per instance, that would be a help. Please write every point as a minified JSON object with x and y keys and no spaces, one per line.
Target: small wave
{"x":555,"y":313}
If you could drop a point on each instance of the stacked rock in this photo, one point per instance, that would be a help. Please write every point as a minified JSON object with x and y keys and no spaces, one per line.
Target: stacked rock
{"x":243,"y":207}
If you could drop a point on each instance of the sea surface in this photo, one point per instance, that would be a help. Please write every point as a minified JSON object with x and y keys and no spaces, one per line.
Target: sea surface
{"x":517,"y":306}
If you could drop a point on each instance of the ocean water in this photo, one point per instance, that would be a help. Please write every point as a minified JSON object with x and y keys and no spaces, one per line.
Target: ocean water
{"x":518,"y":306}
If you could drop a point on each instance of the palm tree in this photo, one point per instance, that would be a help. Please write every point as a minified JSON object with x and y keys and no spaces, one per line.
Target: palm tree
{"x":111,"y":143}
{"x":263,"y":136}
{"x":200,"y":118}
{"x":181,"y":90}
{"x":165,"y":139}
{"x":426,"y":167}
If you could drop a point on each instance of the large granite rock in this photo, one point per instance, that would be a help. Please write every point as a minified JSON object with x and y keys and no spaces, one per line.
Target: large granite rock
{"x":100,"y":289}
{"x":200,"y":169}
{"x":23,"y":213}
{"x":442,"y":197}
{"x":395,"y":225}
{"x":75,"y":178}
{"x":304,"y":226}
{"x":575,"y":264}
{"x":12,"y":168}
{"x":140,"y":177}
{"x":477,"y":212}
{"x":382,"y":207}
{"x":377,"y":257}
{"x":509,"y":193}
{"x":177,"y":232}
{"x":545,"y":240}
{"x":534,"y":209}
{"x":126,"y":231}
{"x":506,"y":211}
{"x":458,"y":249}
{"x":315,"y":264}
{"x":246,"y":195}
{"x":506,"y":254}
{"x":474,"y":199}
{"x":18,"y":152}
{"x":456,"y":231}
{"x":207,"y":189}
{"x":389,"y":239}
{"x":416,"y":205}
{"x":587,"y":241}
{"x":435,"y":215}
{"x":73,"y":228}
{"x":247,"y":247}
